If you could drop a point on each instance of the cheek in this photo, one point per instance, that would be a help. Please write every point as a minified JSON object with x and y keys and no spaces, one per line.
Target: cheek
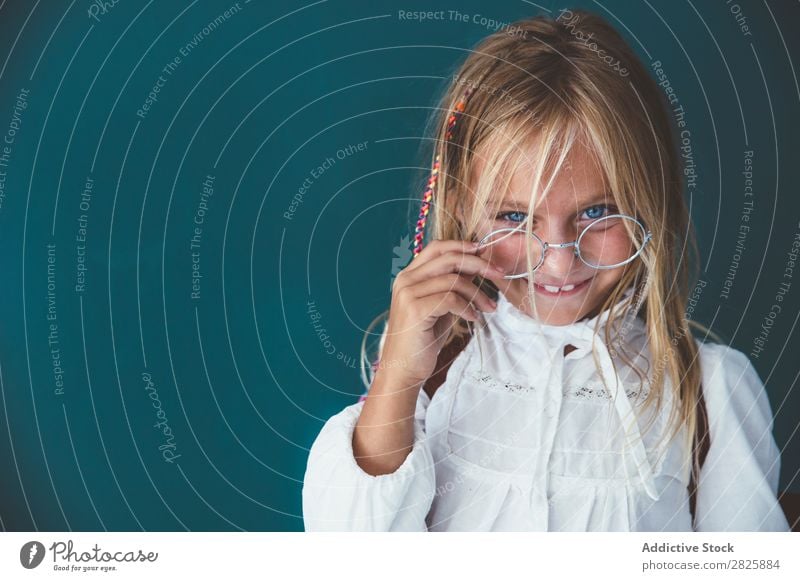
{"x":604,"y":282}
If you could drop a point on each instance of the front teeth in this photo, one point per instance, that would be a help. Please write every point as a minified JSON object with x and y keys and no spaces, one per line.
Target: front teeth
{"x":555,"y":289}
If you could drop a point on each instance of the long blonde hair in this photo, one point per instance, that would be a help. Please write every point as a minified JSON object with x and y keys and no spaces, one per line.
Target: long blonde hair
{"x":541,"y":81}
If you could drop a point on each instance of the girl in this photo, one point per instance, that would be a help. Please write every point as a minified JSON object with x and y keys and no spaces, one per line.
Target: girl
{"x":537,"y":370}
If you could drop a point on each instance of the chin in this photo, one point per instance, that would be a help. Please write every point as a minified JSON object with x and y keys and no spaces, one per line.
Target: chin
{"x":560,"y":319}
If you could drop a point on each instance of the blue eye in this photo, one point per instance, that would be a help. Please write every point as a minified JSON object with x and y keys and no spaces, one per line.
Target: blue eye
{"x":592,"y":211}
{"x":515,"y":217}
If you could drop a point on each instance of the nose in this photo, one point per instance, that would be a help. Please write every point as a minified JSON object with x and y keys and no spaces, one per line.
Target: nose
{"x":559,"y":262}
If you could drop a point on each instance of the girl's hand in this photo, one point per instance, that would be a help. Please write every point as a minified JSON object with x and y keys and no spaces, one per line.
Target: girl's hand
{"x":427,"y":297}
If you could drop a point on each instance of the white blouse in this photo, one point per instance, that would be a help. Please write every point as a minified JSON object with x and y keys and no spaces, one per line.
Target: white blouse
{"x":520,"y":437}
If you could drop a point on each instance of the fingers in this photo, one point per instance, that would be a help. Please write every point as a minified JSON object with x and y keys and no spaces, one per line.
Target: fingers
{"x":439,"y":304}
{"x":454,"y":283}
{"x":439,"y":247}
{"x":443,"y":268}
{"x":457,"y":262}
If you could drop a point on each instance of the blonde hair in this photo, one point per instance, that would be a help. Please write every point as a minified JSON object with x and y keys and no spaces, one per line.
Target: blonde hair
{"x":539,"y":82}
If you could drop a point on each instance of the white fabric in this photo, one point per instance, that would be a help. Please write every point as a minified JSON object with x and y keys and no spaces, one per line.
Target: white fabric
{"x":520,"y":437}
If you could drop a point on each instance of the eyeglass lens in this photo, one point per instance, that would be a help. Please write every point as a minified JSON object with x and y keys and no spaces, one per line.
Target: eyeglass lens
{"x":605,"y":243}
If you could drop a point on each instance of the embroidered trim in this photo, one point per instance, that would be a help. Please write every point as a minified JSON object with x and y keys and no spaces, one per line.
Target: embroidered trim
{"x":583,"y":392}
{"x":587,"y":392}
{"x":488,"y":381}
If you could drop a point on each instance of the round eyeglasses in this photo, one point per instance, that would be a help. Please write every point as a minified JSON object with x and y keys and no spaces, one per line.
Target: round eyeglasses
{"x":608,"y":242}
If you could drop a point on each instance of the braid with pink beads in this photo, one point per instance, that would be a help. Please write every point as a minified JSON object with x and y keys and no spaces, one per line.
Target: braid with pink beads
{"x":427,"y":195}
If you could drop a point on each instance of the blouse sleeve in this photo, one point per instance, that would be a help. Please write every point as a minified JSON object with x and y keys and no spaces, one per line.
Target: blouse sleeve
{"x":738,"y":483}
{"x":338,"y":495}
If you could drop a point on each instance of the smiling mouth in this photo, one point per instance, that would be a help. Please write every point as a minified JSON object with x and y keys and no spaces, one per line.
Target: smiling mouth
{"x":564,"y":291}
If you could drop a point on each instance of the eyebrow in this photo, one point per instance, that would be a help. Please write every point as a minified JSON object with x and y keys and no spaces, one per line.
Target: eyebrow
{"x":511,"y":204}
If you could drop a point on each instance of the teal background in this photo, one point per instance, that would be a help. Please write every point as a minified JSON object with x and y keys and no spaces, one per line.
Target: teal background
{"x":245,"y":375}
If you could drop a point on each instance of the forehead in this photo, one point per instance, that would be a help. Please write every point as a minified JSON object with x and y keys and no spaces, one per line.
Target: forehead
{"x":579,"y":180}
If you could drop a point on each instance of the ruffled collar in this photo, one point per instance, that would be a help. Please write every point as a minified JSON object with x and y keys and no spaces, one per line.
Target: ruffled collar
{"x":509,"y":321}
